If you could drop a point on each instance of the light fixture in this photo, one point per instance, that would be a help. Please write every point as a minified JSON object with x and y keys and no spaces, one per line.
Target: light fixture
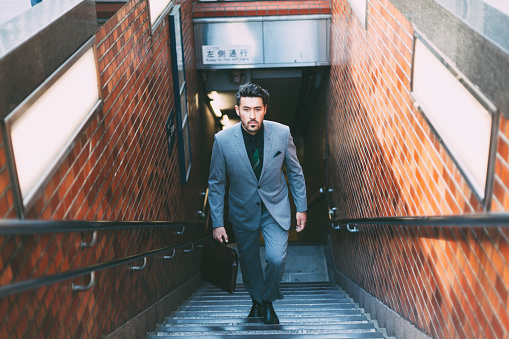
{"x":460,"y":114}
{"x":360,"y":7}
{"x":214,"y":102}
{"x":158,"y":9}
{"x":45,"y":126}
{"x":225,"y":121}
{"x":215,"y":108}
{"x":214,"y":96}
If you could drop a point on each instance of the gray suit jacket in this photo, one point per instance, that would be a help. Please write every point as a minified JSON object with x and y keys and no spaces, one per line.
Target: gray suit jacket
{"x":229,"y":158}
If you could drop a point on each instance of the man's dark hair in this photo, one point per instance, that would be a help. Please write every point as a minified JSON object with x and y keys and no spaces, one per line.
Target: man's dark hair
{"x":251,"y":90}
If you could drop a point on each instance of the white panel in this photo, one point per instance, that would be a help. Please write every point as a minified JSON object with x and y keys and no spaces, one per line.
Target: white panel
{"x":41,"y":132}
{"x":295,"y":41}
{"x":501,"y":5}
{"x":461,"y":121}
{"x":359,"y":7}
{"x":157,"y":7}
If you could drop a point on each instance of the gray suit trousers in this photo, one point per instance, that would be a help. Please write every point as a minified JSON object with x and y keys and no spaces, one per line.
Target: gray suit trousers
{"x":248,"y":245}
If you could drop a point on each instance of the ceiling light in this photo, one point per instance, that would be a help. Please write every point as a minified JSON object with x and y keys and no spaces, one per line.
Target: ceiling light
{"x":215,"y":108}
{"x":225,"y":121}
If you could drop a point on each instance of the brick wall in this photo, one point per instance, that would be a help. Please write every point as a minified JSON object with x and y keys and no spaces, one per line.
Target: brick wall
{"x":106,"y":10}
{"x":500,"y":200}
{"x":118,"y":170}
{"x":7,"y":210}
{"x":384,"y":160}
{"x":258,"y":8}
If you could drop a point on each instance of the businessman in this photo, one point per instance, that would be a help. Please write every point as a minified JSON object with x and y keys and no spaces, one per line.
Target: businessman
{"x":252,"y":154}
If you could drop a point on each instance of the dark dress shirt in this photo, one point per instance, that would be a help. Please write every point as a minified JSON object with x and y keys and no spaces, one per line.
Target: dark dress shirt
{"x":258,"y":140}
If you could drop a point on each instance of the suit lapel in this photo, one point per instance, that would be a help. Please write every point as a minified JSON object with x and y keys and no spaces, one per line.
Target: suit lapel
{"x":241,"y":148}
{"x":267,"y":147}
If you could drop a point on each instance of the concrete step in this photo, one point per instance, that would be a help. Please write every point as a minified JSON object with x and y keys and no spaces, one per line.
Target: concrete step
{"x":277,"y":307}
{"x":283,"y":288}
{"x":308,"y":310}
{"x":266,"y":334}
{"x":292,"y":313}
{"x":368,"y":327}
{"x":285,"y":301}
{"x":350,"y":312}
{"x":338,"y":319}
{"x":245,"y":296}
{"x":287,"y":294}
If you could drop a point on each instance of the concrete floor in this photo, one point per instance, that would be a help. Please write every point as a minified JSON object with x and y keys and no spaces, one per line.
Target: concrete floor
{"x":304,"y":263}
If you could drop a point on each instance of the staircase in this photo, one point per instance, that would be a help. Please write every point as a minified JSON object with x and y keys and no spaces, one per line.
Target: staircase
{"x":307,"y":310}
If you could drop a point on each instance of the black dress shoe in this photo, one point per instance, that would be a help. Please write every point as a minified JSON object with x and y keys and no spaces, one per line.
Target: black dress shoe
{"x":269,"y":315}
{"x":256,"y":310}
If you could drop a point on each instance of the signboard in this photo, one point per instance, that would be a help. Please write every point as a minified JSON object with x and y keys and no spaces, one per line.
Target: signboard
{"x":226,"y":54}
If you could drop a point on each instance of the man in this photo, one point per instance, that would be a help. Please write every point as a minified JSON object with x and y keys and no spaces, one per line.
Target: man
{"x":252,"y":154}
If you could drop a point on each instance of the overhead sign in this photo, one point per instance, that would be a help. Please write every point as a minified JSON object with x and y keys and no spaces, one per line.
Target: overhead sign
{"x":226,"y":54}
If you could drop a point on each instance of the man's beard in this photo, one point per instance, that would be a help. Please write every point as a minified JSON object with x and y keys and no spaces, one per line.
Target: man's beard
{"x":252,"y":128}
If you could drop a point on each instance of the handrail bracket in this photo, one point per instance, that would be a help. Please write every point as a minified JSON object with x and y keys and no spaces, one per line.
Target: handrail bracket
{"x":352,"y":229}
{"x":165,"y":257}
{"x":92,"y":242}
{"x":138,"y":268}
{"x":83,"y":288}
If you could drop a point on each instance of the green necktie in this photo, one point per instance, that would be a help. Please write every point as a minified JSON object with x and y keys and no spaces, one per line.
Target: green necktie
{"x":255,"y":162}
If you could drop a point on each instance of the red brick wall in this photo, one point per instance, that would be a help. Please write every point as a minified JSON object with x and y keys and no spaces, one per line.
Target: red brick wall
{"x":384,"y":160}
{"x":106,"y":10}
{"x":500,"y":200}
{"x":258,"y":8}
{"x":118,"y":170}
{"x":7,"y":210}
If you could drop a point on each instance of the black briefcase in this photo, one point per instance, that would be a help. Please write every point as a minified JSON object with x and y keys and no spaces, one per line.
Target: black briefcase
{"x":219,"y":265}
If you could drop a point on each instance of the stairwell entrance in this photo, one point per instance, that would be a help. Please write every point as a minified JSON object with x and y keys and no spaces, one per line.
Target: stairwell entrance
{"x":297,"y":99}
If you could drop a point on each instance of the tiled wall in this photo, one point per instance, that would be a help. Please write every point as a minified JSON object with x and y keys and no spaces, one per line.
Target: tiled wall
{"x":118,"y":170}
{"x":384,"y":160}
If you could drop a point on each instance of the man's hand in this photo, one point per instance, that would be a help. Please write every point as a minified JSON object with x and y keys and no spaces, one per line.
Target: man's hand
{"x":302,"y":218}
{"x":219,"y":233}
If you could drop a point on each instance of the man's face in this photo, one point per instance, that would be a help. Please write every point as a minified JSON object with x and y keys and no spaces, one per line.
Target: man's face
{"x":251,"y":113}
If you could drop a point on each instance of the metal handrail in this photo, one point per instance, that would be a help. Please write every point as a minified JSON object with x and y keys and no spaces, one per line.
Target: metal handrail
{"x":25,"y":227}
{"x":484,"y":220}
{"x":332,"y":210}
{"x":201,"y":213}
{"x":29,"y":227}
{"x":315,"y":198}
{"x":25,"y":285}
{"x":454,"y":220}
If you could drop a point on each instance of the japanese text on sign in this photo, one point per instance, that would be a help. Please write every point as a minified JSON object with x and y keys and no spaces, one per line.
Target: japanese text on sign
{"x":228,"y":54}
